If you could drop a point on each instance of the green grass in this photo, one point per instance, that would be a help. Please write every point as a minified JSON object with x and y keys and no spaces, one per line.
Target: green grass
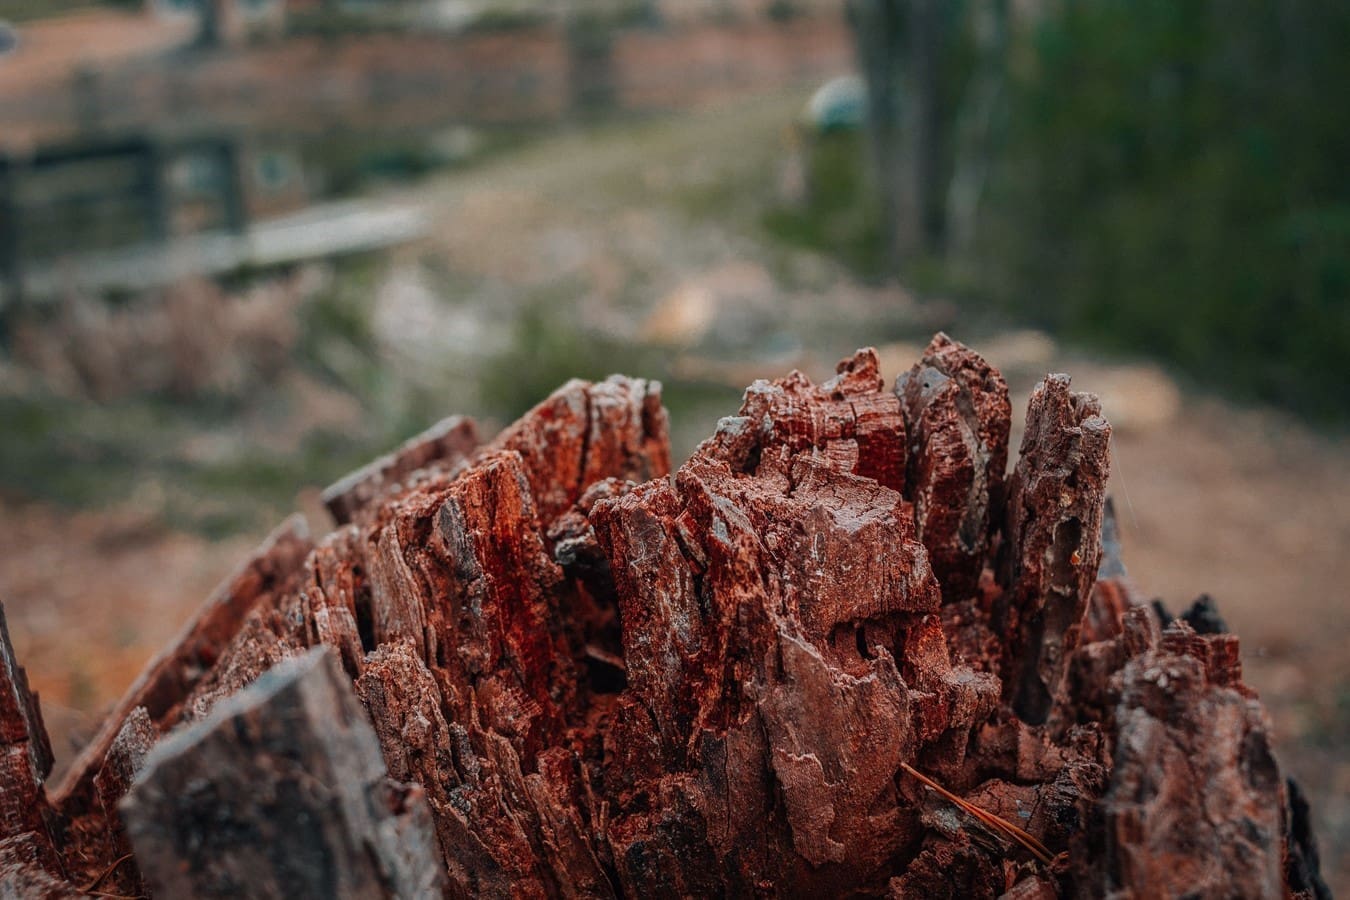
{"x":840,"y":216}
{"x":82,"y":453}
{"x":27,"y":10}
{"x":547,"y":350}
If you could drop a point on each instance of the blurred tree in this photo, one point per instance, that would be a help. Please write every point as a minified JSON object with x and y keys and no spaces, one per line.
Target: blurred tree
{"x":933,"y":69}
{"x":897,"y":45}
{"x":1174,"y":180}
{"x":1157,"y":175}
{"x":979,"y":121}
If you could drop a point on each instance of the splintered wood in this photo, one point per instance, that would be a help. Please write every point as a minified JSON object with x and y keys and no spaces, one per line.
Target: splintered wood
{"x":839,"y":652}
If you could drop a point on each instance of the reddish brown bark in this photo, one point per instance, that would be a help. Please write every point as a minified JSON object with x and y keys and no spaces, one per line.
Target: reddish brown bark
{"x":25,"y":761}
{"x":609,"y":682}
{"x":957,"y":416}
{"x":1052,"y":549}
{"x":435,"y":451}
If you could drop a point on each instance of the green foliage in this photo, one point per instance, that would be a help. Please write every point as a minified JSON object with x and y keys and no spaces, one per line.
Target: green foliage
{"x":361,"y":161}
{"x":27,"y":10}
{"x":548,"y":349}
{"x":545,"y":352}
{"x":841,"y":215}
{"x":1174,"y":182}
{"x":353,"y":164}
{"x":336,"y":23}
{"x":500,"y":20}
{"x":42,"y":452}
{"x":599,"y":22}
{"x":783,"y":11}
{"x":82,"y":452}
{"x":336,"y":341}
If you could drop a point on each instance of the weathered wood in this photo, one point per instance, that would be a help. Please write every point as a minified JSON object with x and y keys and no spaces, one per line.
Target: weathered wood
{"x":170,"y":677}
{"x":609,"y":682}
{"x":957,"y":418}
{"x":25,"y":761}
{"x":769,"y":598}
{"x":586,"y":432}
{"x":25,"y":871}
{"x":1185,"y":718}
{"x":1056,"y":500}
{"x":125,"y":757}
{"x":440,"y":447}
{"x":281,"y":792}
{"x":20,"y":715}
{"x":850,"y":419}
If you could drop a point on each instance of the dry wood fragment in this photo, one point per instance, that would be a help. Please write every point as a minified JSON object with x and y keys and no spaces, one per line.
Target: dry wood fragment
{"x":25,"y":761}
{"x":280,"y":793}
{"x":957,"y":417}
{"x":1056,"y":501}
{"x":437,"y":450}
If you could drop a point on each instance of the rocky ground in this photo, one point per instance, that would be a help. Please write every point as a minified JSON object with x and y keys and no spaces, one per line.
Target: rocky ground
{"x":640,"y":249}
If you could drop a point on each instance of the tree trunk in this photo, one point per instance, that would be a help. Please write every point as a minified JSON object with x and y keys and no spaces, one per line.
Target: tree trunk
{"x":899,"y":46}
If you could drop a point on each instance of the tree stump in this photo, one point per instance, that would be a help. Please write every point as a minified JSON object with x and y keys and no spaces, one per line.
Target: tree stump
{"x":837,"y":653}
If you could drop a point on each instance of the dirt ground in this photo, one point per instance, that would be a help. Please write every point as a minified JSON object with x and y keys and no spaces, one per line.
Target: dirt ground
{"x":639,"y":227}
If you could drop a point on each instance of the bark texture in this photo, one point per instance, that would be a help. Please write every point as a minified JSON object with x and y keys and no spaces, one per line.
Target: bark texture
{"x":602,"y":679}
{"x":957,"y":417}
{"x":281,"y":792}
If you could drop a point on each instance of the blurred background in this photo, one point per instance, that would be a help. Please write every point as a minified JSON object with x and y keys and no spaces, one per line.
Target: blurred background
{"x":246,"y":245}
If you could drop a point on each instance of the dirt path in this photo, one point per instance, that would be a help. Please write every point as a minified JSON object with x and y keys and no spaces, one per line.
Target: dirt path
{"x":91,"y":596}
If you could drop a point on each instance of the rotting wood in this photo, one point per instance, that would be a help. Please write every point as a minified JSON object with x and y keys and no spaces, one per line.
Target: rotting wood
{"x":610,"y":682}
{"x":281,"y":792}
{"x":435,"y":451}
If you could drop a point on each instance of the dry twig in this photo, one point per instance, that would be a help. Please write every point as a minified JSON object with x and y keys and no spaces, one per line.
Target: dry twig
{"x":1037,"y":849}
